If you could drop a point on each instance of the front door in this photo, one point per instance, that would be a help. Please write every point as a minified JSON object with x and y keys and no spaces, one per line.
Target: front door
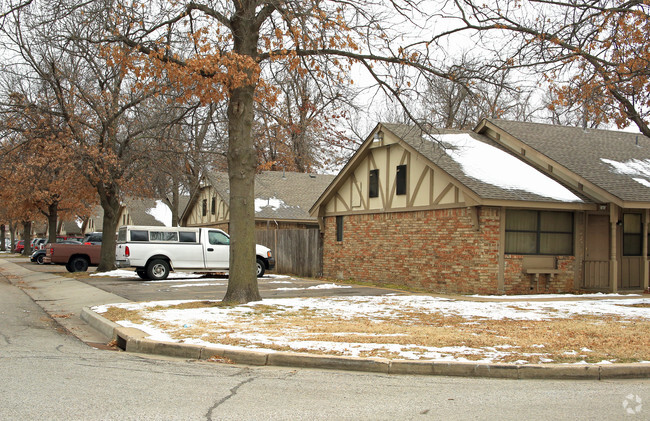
{"x":597,"y":252}
{"x":217,"y":250}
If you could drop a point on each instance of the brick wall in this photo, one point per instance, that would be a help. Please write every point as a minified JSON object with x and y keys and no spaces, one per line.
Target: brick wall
{"x":517,"y":282}
{"x":436,"y":250}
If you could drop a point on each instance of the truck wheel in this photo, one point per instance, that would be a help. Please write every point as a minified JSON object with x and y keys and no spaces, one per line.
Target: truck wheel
{"x":77,"y":264}
{"x":260,"y":267}
{"x":158,"y":270}
{"x":39,"y":259}
{"x":141,"y":273}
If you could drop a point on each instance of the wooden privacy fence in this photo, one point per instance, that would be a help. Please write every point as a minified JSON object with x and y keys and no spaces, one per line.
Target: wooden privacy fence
{"x":297,"y":251}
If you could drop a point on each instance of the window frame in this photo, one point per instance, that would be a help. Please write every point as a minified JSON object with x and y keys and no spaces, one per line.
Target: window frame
{"x":339,"y":228}
{"x":539,"y":233}
{"x":401,"y":179}
{"x":373,"y":183}
{"x":638,"y":235}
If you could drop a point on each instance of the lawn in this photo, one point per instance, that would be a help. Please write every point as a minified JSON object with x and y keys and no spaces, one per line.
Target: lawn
{"x":584,"y":329}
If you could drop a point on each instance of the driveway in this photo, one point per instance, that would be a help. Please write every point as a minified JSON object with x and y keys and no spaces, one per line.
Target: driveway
{"x":133,"y":288}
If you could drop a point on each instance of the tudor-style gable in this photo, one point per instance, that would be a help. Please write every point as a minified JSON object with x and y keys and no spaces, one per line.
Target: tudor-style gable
{"x":388,"y":174}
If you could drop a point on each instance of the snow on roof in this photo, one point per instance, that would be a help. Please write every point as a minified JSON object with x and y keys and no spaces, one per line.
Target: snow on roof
{"x":272,"y":202}
{"x":638,"y":169}
{"x":162,"y":213}
{"x":494,"y":166}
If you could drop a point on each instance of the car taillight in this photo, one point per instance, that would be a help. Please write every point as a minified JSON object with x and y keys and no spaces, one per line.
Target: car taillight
{"x":127,"y":252}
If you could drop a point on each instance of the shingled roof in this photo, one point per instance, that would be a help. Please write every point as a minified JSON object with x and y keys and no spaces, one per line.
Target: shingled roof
{"x":617,"y":162}
{"x":434,"y":147}
{"x":279,"y":195}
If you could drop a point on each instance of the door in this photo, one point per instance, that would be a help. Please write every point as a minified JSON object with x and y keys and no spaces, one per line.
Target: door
{"x":216,"y":250}
{"x":631,"y":268}
{"x":597,"y":252}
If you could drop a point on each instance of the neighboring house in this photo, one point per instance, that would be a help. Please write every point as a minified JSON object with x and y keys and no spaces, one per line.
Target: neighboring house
{"x":510,"y":208}
{"x":282,"y":201}
{"x":134,"y":211}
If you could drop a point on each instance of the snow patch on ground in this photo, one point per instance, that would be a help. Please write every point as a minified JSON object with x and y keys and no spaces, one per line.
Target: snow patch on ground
{"x":383,"y":307}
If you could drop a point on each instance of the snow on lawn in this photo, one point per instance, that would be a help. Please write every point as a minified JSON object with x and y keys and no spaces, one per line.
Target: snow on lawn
{"x":320,"y":286}
{"x":175,"y":277}
{"x":260,"y":325}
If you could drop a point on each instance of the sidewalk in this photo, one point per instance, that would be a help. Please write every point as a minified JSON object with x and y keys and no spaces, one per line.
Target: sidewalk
{"x":68,"y":302}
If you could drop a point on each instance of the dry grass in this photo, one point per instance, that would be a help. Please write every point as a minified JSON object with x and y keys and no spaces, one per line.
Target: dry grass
{"x":581,"y":338}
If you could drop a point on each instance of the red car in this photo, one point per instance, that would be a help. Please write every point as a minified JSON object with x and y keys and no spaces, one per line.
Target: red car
{"x":20,"y":246}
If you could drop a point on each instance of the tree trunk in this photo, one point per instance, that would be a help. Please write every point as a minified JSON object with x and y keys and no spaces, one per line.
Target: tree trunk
{"x":242,"y":159}
{"x":175,"y":205}
{"x":110,"y":201}
{"x":12,"y":236}
{"x":27,"y":237}
{"x":3,"y":233}
{"x":52,"y":217}
{"x":242,"y":163}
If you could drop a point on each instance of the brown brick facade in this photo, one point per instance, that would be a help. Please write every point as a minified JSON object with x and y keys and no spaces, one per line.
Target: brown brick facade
{"x":434,"y":250}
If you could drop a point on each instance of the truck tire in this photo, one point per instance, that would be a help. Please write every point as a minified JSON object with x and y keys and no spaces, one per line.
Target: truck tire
{"x":77,"y":264}
{"x":261,"y":267}
{"x":157,"y":270}
{"x":39,"y":259}
{"x":142,"y":273}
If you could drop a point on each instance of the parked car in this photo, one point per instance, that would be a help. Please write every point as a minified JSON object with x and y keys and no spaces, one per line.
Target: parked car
{"x":19,"y":247}
{"x":94,"y":238}
{"x":76,"y":256}
{"x":155,"y":251}
{"x":39,"y":243}
{"x":38,"y":255}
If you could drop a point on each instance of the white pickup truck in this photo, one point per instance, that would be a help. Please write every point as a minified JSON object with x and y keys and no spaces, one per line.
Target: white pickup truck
{"x":155,"y":251}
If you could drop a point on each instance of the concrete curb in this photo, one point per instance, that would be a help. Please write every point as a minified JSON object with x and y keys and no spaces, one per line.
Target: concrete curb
{"x":134,"y":340}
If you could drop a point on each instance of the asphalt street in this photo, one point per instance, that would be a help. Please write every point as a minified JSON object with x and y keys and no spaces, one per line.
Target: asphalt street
{"x":49,"y":374}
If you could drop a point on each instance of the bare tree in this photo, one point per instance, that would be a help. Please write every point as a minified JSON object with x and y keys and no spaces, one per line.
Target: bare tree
{"x":596,"y":52}
{"x":101,"y":104}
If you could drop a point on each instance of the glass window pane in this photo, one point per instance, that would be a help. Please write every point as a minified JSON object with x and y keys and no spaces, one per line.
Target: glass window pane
{"x":139,"y":235}
{"x":401,"y":180}
{"x":218,"y":238}
{"x":187,"y":237}
{"x":521,"y":220}
{"x":521,"y":243}
{"x":558,"y":244}
{"x":339,"y":228}
{"x":556,"y":221}
{"x":632,"y":245}
{"x":373,"y":185}
{"x":632,"y":223}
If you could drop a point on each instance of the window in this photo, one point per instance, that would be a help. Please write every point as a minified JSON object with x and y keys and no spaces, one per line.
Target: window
{"x":205,"y":207}
{"x":632,"y":234}
{"x":400,"y":180}
{"x":163,"y":236}
{"x":187,"y":237}
{"x":139,"y":235}
{"x":339,"y":228}
{"x":373,"y":184}
{"x":218,"y":238}
{"x":539,"y":232}
{"x":213,"y":206}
